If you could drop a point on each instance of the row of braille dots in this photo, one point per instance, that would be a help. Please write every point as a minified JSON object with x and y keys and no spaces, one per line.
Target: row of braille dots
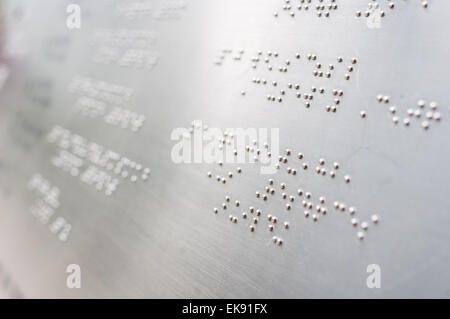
{"x":306,"y":203}
{"x":430,"y":115}
{"x":373,"y":7}
{"x":354,"y":221}
{"x":322,"y":7}
{"x":237,"y":56}
{"x":317,"y":72}
{"x":133,"y":165}
{"x":256,"y":213}
{"x":320,"y":170}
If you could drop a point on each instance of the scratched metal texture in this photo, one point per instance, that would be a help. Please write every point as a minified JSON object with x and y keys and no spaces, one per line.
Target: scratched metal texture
{"x":160,"y":238}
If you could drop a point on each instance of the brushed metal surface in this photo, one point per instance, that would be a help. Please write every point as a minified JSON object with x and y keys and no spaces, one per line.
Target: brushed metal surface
{"x":158,"y":237}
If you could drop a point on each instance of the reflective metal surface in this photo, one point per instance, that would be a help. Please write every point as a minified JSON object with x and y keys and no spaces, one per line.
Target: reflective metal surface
{"x":355,"y":92}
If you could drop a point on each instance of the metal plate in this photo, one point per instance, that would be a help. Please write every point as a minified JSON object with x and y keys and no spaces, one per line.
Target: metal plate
{"x":364,"y":99}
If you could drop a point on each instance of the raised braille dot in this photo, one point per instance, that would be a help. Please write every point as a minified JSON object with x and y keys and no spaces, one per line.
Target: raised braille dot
{"x":306,"y":213}
{"x":315,"y":217}
{"x":237,"y":203}
{"x":354,"y":222}
{"x":437,"y":116}
{"x":363,"y":114}
{"x":257,"y":194}
{"x":351,"y":210}
{"x":360,"y":235}
{"x":305,"y":166}
{"x":308,"y":195}
{"x":395,"y":119}
{"x":209,"y":174}
{"x":347,"y":179}
{"x":421,"y":103}
{"x":406,"y":122}
{"x":332,"y":174}
{"x":251,"y":228}
{"x":258,"y":212}
{"x":215,"y":210}
{"x":425,"y":125}
{"x":375,"y":219}
{"x":364,"y":225}
{"x":282,"y":185}
{"x":322,"y":199}
{"x":322,"y":161}
{"x":288,"y":206}
{"x":270,"y":227}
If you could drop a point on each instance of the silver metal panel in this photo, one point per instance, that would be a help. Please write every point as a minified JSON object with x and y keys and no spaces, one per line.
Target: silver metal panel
{"x":135,"y":71}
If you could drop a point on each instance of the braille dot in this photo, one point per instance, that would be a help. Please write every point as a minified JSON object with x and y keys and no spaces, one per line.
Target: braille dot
{"x":406,"y":122}
{"x":306,"y":213}
{"x":332,"y":174}
{"x":363,"y":114}
{"x":270,"y":227}
{"x":375,"y":219}
{"x":392,"y":109}
{"x":425,"y":125}
{"x":322,"y":161}
{"x":308,"y":195}
{"x":358,"y":13}
{"x":209,"y":174}
{"x":305,"y":166}
{"x":258,"y":212}
{"x":255,"y":220}
{"x":395,"y":119}
{"x":336,"y":205}
{"x":251,"y":228}
{"x":257,"y":194}
{"x":322,"y":199}
{"x":288,"y":207}
{"x":354,"y":222}
{"x":352,"y":210}
{"x":282,"y":185}
{"x":291,"y":198}
{"x":264,"y":197}
{"x":364,"y":225}
{"x":315,"y":217}
{"x":421,"y":103}
{"x":336,"y":165}
{"x":286,"y":225}
{"x":360,"y":235}
{"x":215,"y":210}
{"x":224,"y":206}
{"x":237,"y":203}
{"x":433,"y":105}
{"x":437,"y":116}
{"x":347,"y":179}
